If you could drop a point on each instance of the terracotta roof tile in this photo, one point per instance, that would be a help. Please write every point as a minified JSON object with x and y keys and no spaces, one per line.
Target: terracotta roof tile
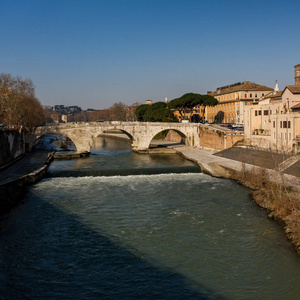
{"x":272,"y":95}
{"x":245,"y":86}
{"x":295,"y":89}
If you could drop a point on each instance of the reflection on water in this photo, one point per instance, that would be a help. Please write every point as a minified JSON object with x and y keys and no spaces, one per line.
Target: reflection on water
{"x":112,"y":156}
{"x":106,"y":143}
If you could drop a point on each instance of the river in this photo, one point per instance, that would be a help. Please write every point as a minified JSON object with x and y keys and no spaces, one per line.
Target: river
{"x":121,"y":225}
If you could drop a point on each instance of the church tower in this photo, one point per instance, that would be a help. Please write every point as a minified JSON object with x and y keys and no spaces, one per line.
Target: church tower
{"x":297,"y":75}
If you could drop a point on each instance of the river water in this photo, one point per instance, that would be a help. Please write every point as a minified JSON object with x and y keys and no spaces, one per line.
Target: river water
{"x":130,"y":226}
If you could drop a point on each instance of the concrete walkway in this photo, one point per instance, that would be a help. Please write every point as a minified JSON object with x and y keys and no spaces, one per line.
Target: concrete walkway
{"x":218,"y":166}
{"x":28,"y":164}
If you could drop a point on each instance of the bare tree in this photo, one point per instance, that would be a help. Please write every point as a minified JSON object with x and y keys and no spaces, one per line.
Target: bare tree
{"x":18,"y":103}
{"x":118,"y":112}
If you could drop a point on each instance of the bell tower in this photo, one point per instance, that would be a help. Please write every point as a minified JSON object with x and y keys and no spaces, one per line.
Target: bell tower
{"x":297,"y":75}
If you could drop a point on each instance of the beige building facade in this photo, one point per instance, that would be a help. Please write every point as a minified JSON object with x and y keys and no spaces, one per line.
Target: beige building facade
{"x":232,"y":101}
{"x":274,"y":123}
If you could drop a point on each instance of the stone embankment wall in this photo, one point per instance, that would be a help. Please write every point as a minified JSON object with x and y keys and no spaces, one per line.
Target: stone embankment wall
{"x":12,"y":193}
{"x":212,"y":139}
{"x":218,"y":140}
{"x":12,"y":145}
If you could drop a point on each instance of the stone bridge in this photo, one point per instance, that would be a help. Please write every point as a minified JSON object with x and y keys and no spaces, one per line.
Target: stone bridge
{"x":83,"y":135}
{"x":197,"y":135}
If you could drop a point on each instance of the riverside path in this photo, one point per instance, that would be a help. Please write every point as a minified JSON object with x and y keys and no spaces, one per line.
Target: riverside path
{"x":28,"y":164}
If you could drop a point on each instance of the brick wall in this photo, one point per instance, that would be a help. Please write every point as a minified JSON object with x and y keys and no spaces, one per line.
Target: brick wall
{"x":173,"y":136}
{"x":218,"y":140}
{"x":297,"y":75}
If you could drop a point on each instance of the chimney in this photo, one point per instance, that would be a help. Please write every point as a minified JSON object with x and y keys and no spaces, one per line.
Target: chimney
{"x":297,"y":75}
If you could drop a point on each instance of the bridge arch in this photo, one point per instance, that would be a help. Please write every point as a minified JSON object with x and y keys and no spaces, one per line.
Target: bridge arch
{"x":107,"y":130}
{"x":56,"y":133}
{"x":79,"y":137}
{"x":126,"y":133}
{"x":181,"y":135}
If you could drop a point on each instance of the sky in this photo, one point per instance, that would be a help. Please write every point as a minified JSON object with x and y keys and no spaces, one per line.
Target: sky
{"x":94,"y":53}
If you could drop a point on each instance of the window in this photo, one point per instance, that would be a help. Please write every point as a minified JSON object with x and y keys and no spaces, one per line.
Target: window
{"x":289,"y":124}
{"x":284,"y":124}
{"x":255,"y":95}
{"x":256,"y":113}
{"x":273,"y":124}
{"x":259,"y":112}
{"x":262,"y":94}
{"x":250,"y":95}
{"x":245,"y":95}
{"x":290,"y":136}
{"x":266,"y":112}
{"x":280,"y":124}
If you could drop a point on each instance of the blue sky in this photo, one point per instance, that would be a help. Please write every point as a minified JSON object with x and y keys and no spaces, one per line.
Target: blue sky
{"x":95,"y":53}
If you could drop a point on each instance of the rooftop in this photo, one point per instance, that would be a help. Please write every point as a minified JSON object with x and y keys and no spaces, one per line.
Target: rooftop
{"x":244,"y":86}
{"x":273,"y":95}
{"x":295,"y":89}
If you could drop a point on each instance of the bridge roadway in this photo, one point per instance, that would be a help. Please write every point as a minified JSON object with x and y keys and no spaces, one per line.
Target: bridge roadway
{"x":83,"y":135}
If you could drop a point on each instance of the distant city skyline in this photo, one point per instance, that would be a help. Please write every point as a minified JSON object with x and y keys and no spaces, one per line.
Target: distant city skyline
{"x":95,"y":53}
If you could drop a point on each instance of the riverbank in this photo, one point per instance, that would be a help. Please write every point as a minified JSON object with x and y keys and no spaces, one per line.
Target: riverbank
{"x":272,"y":189}
{"x":13,"y":181}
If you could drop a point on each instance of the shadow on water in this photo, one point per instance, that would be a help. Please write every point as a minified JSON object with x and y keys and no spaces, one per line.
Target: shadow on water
{"x":54,"y":255}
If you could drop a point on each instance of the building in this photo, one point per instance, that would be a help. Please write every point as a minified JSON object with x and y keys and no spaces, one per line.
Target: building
{"x":274,"y":122}
{"x":67,"y":109}
{"x":232,"y":100}
{"x":297,"y":75}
